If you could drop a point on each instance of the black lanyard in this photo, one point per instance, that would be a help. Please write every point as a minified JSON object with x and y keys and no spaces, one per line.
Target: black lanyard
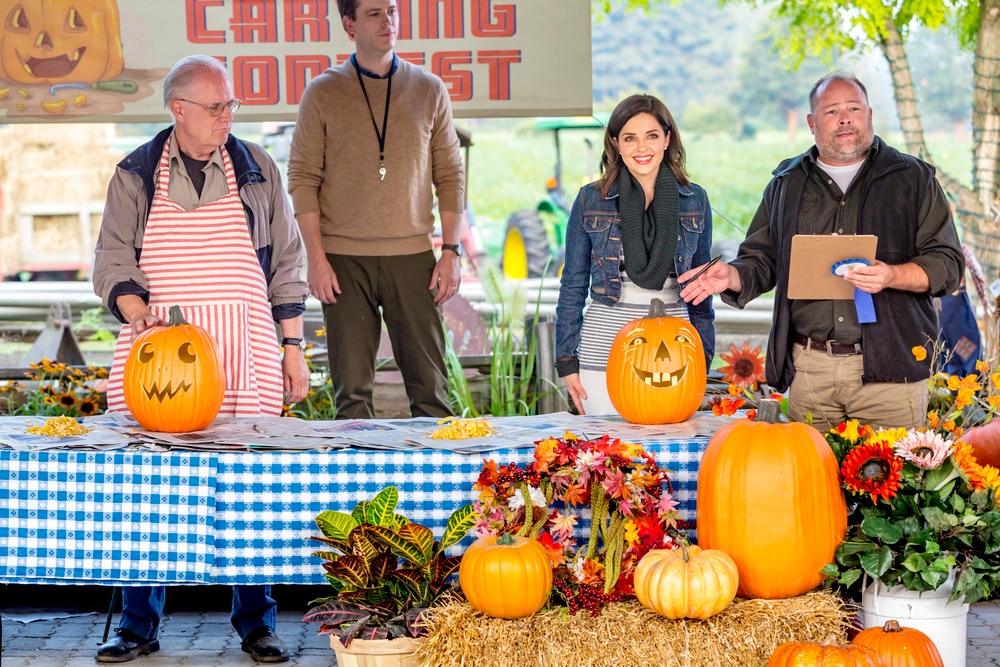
{"x":385,"y":119}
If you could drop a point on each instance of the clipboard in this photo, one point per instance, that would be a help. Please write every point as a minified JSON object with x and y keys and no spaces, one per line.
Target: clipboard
{"x":813,"y":257}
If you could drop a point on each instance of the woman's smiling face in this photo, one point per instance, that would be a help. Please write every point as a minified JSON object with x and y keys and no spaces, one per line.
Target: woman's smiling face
{"x":642,"y":143}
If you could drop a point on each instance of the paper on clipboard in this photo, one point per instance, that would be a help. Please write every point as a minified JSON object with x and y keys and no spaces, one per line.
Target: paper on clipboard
{"x":813,"y":257}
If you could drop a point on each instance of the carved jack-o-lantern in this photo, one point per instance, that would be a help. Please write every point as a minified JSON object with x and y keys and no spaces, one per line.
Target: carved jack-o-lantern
{"x":656,"y":369}
{"x":173,"y":377}
{"x":60,"y":41}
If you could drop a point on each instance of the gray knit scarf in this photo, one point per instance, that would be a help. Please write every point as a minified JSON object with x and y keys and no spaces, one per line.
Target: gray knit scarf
{"x":649,"y":236}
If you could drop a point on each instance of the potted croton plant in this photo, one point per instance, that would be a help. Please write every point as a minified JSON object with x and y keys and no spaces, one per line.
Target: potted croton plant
{"x":385,"y":571}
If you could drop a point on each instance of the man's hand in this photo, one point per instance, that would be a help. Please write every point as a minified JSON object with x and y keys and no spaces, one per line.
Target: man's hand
{"x":718,"y":278}
{"x":322,"y":280}
{"x":296,"y":374}
{"x":909,"y":277}
{"x":446,"y":277}
{"x":143,"y":322}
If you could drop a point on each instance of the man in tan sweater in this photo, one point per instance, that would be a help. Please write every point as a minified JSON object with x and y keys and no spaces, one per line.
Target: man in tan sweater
{"x":373,"y":144}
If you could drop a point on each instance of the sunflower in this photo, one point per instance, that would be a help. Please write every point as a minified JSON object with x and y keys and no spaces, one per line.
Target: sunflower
{"x":924,"y":449}
{"x":966,"y":462}
{"x":872,"y":468}
{"x":745,"y":367}
{"x":66,"y":401}
{"x":88,"y":406}
{"x":991,"y":479}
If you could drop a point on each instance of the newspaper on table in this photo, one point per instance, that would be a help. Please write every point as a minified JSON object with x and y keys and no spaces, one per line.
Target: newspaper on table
{"x":14,"y":434}
{"x":227,"y":434}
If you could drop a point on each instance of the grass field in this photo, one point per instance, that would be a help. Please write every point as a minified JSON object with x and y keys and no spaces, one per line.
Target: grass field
{"x":509,"y":163}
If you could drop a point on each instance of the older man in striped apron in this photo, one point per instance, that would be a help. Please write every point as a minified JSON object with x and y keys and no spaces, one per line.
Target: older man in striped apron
{"x":199,"y":218}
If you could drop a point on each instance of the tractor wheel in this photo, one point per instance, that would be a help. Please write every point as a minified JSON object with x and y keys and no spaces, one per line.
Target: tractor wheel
{"x":526,"y":246}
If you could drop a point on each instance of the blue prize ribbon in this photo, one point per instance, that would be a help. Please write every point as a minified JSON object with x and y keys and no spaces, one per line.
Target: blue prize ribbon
{"x":863,"y":304}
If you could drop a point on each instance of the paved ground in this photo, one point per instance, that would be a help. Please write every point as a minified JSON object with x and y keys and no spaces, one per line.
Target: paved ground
{"x":67,"y":635}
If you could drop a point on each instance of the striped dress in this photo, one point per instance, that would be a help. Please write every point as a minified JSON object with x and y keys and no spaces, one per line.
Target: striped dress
{"x":204,"y":261}
{"x":601,"y":324}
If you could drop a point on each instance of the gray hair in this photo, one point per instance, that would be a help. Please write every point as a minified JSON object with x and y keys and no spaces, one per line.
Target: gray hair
{"x":186,"y":72}
{"x":838,"y":75}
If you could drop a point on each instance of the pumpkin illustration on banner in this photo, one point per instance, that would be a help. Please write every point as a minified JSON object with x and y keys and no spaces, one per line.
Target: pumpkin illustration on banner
{"x":173,"y":379}
{"x":656,"y":369}
{"x":60,"y":41}
{"x":769,"y":496}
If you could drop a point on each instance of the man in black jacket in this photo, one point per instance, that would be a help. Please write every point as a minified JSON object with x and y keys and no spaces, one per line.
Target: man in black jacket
{"x":834,"y":366}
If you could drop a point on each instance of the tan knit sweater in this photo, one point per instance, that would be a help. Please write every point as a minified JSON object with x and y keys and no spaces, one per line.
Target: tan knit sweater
{"x":333,"y":166}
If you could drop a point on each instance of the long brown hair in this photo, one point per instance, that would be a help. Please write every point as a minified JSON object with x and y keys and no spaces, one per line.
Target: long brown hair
{"x":611,"y":159}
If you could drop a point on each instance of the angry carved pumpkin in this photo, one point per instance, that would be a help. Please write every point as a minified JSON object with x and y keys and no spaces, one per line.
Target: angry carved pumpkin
{"x":173,"y":377}
{"x":60,"y":41}
{"x":656,"y":369}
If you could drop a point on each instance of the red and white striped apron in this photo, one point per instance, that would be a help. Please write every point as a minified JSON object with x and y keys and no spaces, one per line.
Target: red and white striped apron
{"x":204,"y":261}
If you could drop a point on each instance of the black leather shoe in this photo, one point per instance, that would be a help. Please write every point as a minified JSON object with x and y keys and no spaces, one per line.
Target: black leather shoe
{"x":126,"y":646}
{"x":265,"y":646}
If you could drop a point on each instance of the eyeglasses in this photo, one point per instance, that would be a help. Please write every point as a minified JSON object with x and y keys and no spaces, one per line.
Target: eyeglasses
{"x":216,"y":109}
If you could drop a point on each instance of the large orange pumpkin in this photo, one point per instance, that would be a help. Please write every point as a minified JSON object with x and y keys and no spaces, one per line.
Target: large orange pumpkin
{"x":688,"y":582}
{"x":812,"y":654}
{"x":173,"y":377}
{"x":900,"y":647}
{"x":769,"y":496}
{"x":60,"y":41}
{"x":985,"y":442}
{"x":506,"y":576}
{"x":656,"y":369}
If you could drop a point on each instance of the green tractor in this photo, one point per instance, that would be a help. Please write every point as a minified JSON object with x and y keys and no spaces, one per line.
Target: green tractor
{"x":534,"y":240}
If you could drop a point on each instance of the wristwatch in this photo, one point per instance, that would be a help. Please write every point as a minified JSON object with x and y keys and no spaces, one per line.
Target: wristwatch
{"x":455,"y":248}
{"x":295,"y":342}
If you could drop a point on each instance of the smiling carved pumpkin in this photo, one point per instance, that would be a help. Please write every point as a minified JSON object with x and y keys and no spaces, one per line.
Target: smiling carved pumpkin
{"x":656,"y":369}
{"x":173,"y":377}
{"x":60,"y":41}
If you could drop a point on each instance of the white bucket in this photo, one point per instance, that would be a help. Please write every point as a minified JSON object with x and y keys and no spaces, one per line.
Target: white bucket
{"x":930,"y":612}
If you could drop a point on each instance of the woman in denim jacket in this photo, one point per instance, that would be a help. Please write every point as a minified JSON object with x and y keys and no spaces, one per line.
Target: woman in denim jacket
{"x":630,"y":234}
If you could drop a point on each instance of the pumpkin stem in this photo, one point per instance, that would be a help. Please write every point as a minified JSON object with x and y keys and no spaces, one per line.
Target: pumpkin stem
{"x":505,"y":540}
{"x":176,"y":317}
{"x":684,"y":550}
{"x":657,"y":308}
{"x":891,"y":626}
{"x":769,"y":411}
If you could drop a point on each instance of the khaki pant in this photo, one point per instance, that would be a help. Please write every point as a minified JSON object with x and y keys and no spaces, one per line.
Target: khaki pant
{"x":829,"y":389}
{"x":394,"y":289}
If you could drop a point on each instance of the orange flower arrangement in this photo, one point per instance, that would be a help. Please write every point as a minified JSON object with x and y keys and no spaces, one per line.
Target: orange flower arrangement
{"x":923,"y":506}
{"x":631,"y":512}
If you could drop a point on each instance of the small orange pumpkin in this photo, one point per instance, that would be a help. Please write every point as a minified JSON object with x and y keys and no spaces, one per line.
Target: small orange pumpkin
{"x":173,"y":377}
{"x":985,"y":442}
{"x":900,"y":647}
{"x":813,"y":654}
{"x":687,"y":582}
{"x":769,"y":496}
{"x":656,"y":369}
{"x":506,"y":576}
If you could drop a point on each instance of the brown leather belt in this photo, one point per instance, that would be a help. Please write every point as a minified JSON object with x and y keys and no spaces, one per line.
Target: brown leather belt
{"x":832,"y":348}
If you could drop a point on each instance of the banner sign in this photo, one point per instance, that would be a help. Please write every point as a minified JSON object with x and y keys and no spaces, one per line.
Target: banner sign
{"x":102,"y":60}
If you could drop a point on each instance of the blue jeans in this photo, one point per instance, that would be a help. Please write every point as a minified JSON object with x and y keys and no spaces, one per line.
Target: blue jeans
{"x":142,"y":608}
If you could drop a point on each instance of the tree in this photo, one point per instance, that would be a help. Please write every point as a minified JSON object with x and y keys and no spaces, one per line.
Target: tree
{"x":834,"y":26}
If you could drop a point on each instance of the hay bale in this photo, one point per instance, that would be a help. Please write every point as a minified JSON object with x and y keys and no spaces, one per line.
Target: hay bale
{"x":626,"y":634}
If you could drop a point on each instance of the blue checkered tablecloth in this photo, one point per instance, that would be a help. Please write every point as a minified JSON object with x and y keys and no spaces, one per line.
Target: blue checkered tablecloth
{"x":130,"y":517}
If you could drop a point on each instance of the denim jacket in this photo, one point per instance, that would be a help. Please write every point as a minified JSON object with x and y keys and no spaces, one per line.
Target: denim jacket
{"x":594,"y":256}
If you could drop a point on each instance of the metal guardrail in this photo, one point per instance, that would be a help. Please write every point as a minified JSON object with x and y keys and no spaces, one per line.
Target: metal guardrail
{"x":29,"y":302}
